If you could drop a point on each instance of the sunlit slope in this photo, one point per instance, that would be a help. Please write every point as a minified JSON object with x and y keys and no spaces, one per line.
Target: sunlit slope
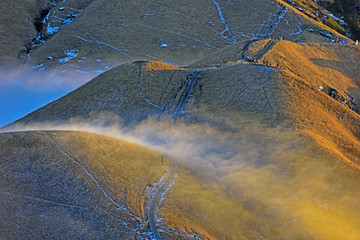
{"x":66,"y":185}
{"x":262,"y":156}
{"x":281,"y":87}
{"x":304,"y":68}
{"x":278,"y":186}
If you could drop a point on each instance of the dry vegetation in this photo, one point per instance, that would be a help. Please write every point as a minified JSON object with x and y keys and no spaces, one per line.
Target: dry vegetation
{"x":262,"y":161}
{"x":111,"y":33}
{"x":285,"y":184}
{"x":297,"y":192}
{"x":44,"y":194}
{"x":116,"y":91}
{"x":16,"y":27}
{"x":305,"y":68}
{"x":159,"y":66}
{"x":116,"y":163}
{"x":219,"y":97}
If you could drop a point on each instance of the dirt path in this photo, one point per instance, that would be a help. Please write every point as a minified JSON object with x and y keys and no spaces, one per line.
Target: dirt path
{"x":274,"y":23}
{"x":156,"y":195}
{"x":246,"y":48}
{"x":184,"y":98}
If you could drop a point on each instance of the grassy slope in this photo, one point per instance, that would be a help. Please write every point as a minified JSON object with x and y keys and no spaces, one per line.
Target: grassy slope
{"x":301,"y":181}
{"x":328,"y":122}
{"x":300,"y":193}
{"x":16,"y":26}
{"x":190,"y":30}
{"x":37,"y":178}
{"x":145,"y":26}
{"x":117,"y":91}
{"x":290,"y":196}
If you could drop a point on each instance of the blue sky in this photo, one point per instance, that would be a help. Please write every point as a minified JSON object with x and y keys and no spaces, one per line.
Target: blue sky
{"x":18,"y":101}
{"x":23,"y":89}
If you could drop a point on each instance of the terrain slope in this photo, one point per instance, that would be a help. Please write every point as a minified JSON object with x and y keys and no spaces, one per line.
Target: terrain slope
{"x":88,"y":36}
{"x":289,"y":85}
{"x":255,"y":103}
{"x":60,"y":185}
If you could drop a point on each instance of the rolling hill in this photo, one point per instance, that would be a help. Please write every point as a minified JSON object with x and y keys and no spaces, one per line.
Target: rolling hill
{"x":75,"y":185}
{"x":85,"y":35}
{"x":251,"y":106}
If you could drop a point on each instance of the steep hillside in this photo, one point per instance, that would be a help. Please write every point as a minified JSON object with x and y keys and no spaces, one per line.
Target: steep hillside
{"x":208,"y":94}
{"x":255,"y":103}
{"x":276,"y":186}
{"x":75,"y":185}
{"x":257,"y":182}
{"x":16,"y":27}
{"x":343,"y":15}
{"x":310,"y":90}
{"x":85,"y":34}
{"x":289,"y":84}
{"x":310,"y":74}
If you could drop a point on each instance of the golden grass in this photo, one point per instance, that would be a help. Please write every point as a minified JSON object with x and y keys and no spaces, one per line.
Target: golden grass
{"x":46,"y":191}
{"x":256,"y":47}
{"x":302,"y":194}
{"x":117,"y":164}
{"x":312,"y":21}
{"x":304,"y":69}
{"x":160,"y":66}
{"x":203,"y":209}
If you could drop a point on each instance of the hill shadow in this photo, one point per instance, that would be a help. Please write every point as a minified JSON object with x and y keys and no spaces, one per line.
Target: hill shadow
{"x":350,"y":68}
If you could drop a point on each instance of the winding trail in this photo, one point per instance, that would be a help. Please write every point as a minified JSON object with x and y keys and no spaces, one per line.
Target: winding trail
{"x":99,"y":43}
{"x":274,"y":23}
{"x":184,"y":98}
{"x":246,"y":47}
{"x":88,"y":173}
{"x":157,"y":194}
{"x":119,"y":207}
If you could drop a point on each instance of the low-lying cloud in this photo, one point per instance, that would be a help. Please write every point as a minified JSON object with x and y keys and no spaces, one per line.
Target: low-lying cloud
{"x":43,"y":78}
{"x":286,"y":185}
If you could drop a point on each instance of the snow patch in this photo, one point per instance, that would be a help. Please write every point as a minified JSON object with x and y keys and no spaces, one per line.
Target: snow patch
{"x":72,"y":53}
{"x":51,"y":30}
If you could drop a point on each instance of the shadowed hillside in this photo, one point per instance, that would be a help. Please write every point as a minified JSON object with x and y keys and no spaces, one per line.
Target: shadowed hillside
{"x":83,"y":34}
{"x":254,"y":103}
{"x":282,"y":87}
